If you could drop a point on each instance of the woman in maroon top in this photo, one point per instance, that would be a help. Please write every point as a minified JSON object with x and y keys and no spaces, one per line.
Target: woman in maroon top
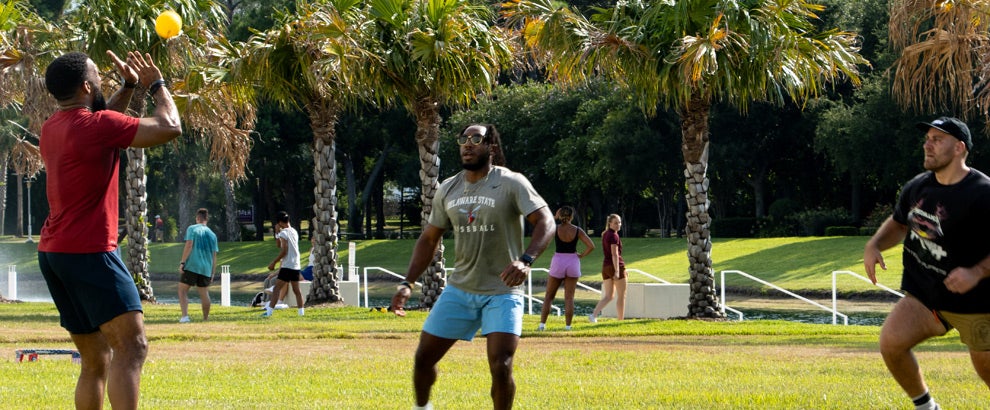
{"x":613,"y":271}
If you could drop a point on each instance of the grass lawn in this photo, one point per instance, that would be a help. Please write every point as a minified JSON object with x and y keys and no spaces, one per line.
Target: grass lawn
{"x":351,"y":358}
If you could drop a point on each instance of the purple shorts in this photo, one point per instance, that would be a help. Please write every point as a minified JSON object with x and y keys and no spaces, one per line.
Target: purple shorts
{"x":565,"y":265}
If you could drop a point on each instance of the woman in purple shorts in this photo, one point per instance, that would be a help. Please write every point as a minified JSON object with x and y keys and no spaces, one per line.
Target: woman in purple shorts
{"x":565,"y":265}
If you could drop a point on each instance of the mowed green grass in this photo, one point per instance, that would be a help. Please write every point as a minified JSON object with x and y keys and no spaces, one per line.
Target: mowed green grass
{"x":795,"y":263}
{"x":351,"y":358}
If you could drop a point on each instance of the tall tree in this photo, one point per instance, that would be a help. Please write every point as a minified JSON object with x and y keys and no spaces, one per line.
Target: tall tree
{"x":313,"y":59}
{"x":686,"y":55}
{"x":439,"y":53}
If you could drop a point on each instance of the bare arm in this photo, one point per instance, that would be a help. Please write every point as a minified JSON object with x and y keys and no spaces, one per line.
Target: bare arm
{"x":423,"y":252}
{"x":185,"y":255}
{"x":283,"y":250}
{"x":543,"y":230}
{"x":164,"y":124}
{"x":889,"y":234}
{"x":588,"y":244}
{"x":122,"y":98}
{"x":615,"y":257}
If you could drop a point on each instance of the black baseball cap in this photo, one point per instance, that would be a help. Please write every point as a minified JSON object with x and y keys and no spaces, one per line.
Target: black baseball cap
{"x":952,"y":126}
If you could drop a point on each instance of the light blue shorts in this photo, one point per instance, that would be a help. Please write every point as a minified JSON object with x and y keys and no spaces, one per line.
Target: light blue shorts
{"x":459,"y":314}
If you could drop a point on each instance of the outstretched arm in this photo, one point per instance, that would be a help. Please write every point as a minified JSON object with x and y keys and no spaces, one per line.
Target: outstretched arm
{"x":422,"y":256}
{"x":164,"y":124}
{"x":122,"y":98}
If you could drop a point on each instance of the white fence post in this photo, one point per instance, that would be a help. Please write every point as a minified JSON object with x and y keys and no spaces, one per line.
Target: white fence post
{"x":352,"y":261}
{"x":225,"y":285}
{"x":12,"y":282}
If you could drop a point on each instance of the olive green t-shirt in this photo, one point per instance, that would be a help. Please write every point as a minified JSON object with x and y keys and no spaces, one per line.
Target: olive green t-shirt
{"x":487,"y":219}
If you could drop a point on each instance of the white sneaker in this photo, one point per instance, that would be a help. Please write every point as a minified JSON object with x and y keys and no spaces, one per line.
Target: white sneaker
{"x":184,"y":319}
{"x":281,"y":306}
{"x":568,"y":327}
{"x":541,"y":327}
{"x":592,"y":318}
{"x":266,"y":313}
{"x":302,"y":311}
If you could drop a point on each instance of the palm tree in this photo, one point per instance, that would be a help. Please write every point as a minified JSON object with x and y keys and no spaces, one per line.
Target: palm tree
{"x":313,"y":59}
{"x":687,"y":55}
{"x":440,"y":53}
{"x":943,"y":65}
{"x":24,"y":38}
{"x":117,"y":25}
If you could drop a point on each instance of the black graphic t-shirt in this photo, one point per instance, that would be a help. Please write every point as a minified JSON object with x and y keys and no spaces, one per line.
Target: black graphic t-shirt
{"x":947,"y":228}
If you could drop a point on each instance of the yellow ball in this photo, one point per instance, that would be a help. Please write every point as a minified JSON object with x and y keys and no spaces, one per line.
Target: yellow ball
{"x":168,"y":24}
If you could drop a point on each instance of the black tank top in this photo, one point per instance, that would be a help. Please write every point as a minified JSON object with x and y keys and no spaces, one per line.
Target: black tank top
{"x":565,"y":247}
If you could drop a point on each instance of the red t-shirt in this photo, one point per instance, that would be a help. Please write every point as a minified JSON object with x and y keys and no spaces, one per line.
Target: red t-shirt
{"x":81,"y":150}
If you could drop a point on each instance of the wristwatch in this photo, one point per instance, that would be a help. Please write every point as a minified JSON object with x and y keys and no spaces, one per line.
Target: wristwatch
{"x":528,"y":260}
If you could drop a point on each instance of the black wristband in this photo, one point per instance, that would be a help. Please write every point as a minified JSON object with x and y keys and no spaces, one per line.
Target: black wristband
{"x":129,"y":85}
{"x":528,"y":260}
{"x":153,"y":88}
{"x":406,"y":284}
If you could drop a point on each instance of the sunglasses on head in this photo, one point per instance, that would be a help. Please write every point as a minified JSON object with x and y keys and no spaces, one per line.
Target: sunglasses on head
{"x":475,"y":139}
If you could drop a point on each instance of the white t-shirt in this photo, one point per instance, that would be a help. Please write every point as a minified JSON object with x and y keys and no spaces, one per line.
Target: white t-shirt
{"x":291,"y":258}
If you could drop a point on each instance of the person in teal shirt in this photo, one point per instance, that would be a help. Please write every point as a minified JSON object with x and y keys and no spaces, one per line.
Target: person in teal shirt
{"x":199,"y":260}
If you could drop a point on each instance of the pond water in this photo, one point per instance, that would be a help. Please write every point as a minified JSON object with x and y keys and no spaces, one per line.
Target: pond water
{"x":32,"y":288}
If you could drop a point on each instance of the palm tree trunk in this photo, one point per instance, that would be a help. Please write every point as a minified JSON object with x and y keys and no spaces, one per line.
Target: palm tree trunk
{"x":4,"y":162}
{"x":230,"y":203}
{"x":428,"y":141}
{"x":136,"y":208}
{"x":20,"y":206}
{"x":135,"y":219}
{"x":323,"y":120}
{"x":185,"y":183}
{"x":694,"y":135}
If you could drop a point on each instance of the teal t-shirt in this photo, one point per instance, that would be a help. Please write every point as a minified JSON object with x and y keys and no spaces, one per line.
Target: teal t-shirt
{"x":204,"y":246}
{"x":487,"y":218}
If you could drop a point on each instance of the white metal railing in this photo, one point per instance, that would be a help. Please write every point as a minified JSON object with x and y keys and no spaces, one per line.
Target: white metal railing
{"x":528,"y":295}
{"x":647,"y":275}
{"x":845,"y":318}
{"x":836,"y":273}
{"x":378,"y":268}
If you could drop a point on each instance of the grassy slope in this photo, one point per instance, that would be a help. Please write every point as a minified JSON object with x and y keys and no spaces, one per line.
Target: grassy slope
{"x":802,"y":263}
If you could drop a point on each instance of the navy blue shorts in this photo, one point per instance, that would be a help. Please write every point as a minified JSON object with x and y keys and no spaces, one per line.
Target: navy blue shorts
{"x":89,"y":289}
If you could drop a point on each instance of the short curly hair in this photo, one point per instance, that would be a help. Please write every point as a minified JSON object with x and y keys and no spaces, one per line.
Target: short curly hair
{"x":64,"y":75}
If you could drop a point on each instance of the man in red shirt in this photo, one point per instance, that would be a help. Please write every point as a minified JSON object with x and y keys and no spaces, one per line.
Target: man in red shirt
{"x":80,"y":143}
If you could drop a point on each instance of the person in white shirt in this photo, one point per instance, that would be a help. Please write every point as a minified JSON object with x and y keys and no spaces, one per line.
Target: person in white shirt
{"x":288,"y":258}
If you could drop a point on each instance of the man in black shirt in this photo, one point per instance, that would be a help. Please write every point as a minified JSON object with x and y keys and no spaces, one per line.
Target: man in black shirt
{"x":942,"y":217}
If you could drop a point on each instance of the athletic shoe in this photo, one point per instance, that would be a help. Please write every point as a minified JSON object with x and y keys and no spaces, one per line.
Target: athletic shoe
{"x":258,"y":299}
{"x":266,"y":313}
{"x":541,"y":327}
{"x":302,"y":311}
{"x":568,"y":327}
{"x":592,"y":318}
{"x":281,"y":306}
{"x":184,"y":319}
